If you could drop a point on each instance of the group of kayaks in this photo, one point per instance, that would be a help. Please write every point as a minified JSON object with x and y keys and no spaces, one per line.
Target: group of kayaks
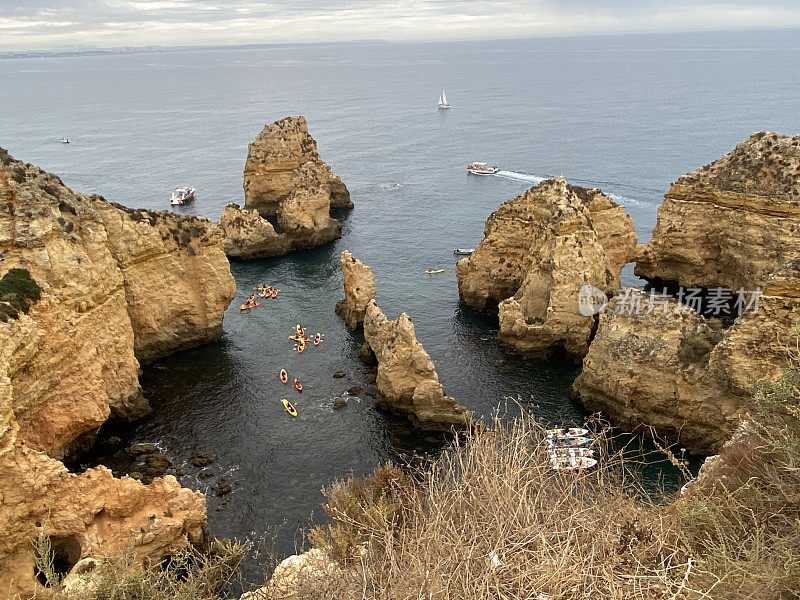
{"x":300,"y":339}
{"x":264,"y":291}
{"x":568,"y":449}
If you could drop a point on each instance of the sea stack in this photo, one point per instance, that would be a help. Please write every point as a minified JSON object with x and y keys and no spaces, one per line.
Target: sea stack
{"x":359,"y":289}
{"x":88,"y":290}
{"x":285,"y":180}
{"x":730,"y":223}
{"x":407,"y":380}
{"x":539,"y":251}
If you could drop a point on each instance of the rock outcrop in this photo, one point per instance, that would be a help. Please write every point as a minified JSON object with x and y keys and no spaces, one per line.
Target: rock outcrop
{"x":248,"y":235}
{"x":117,"y":286}
{"x":681,"y":373}
{"x":407,"y":380}
{"x":359,"y":289}
{"x":730,"y":223}
{"x":539,"y":250}
{"x":286,"y":180}
{"x":296,"y":574}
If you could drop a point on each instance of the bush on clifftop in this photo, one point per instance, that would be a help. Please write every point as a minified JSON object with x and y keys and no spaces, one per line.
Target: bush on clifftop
{"x":18,"y":291}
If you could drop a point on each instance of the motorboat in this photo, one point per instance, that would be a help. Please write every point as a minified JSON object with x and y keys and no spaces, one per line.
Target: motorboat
{"x":481,"y":168}
{"x":434,"y":271}
{"x":571,"y":432}
{"x":572,"y":463}
{"x":65,"y":140}
{"x":570,"y":451}
{"x":182,"y":195}
{"x":443,"y":104}
{"x":463,"y":251}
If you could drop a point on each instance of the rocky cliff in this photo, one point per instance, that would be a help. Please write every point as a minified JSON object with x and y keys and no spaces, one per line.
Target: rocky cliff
{"x":538,"y":250}
{"x":359,"y":289}
{"x":116,"y":286}
{"x":681,"y":373}
{"x":285,"y":179}
{"x":407,"y":380}
{"x":730,"y":223}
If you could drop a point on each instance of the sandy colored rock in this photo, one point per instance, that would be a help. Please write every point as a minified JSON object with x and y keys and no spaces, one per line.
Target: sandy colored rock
{"x":296,"y":573}
{"x":117,"y":286}
{"x":653,"y":369}
{"x":730,"y":223}
{"x":248,"y":235}
{"x":407,"y":380}
{"x":359,"y":289}
{"x":286,"y":179}
{"x":539,"y":250}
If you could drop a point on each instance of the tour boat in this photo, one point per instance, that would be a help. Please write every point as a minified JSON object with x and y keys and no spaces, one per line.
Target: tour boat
{"x":481,"y":168}
{"x":463,"y":251}
{"x":182,"y":195}
{"x":443,"y":101}
{"x":571,"y":432}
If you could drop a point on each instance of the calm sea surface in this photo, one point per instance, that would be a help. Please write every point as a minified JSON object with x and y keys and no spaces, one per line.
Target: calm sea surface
{"x":628,"y":114}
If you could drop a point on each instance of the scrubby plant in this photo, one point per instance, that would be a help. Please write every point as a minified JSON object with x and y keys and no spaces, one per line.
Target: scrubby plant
{"x":186,"y":575}
{"x":18,"y":291}
{"x":696,"y":346}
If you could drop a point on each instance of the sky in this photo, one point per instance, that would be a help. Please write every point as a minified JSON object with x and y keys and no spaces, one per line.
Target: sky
{"x":76,"y":24}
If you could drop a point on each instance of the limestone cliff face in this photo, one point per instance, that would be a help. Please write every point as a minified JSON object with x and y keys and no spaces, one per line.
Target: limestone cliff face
{"x":117,"y":286}
{"x":539,"y":249}
{"x":678,"y":372}
{"x":177,"y":279}
{"x":359,"y":289}
{"x":407,"y":380}
{"x":248,"y":235}
{"x":730,"y":223}
{"x":285,"y":178}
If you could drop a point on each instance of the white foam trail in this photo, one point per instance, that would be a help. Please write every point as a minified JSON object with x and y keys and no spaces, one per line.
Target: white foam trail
{"x":520,"y":176}
{"x":624,"y":200}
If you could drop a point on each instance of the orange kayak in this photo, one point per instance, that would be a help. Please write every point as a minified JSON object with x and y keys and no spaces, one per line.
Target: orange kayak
{"x":297,"y":385}
{"x":284,"y":376}
{"x":248,"y":307}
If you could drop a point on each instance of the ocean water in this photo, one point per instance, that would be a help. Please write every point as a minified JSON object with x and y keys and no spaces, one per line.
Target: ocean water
{"x":628,"y":114}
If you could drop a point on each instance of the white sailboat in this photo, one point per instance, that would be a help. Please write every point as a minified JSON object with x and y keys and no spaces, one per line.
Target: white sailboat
{"x":443,"y":101}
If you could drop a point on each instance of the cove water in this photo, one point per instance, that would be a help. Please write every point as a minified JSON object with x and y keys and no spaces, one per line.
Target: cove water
{"x":628,"y":114}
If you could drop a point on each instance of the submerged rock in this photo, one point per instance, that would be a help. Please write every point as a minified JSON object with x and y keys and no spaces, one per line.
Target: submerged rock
{"x":539,"y":250}
{"x":730,"y":223}
{"x":407,"y":380}
{"x":359,"y":289}
{"x":203,"y":459}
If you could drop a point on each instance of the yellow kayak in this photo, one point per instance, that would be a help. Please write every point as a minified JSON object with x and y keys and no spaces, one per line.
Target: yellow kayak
{"x":289,"y":408}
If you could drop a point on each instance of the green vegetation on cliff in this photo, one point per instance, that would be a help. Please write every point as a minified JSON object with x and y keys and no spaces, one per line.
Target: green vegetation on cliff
{"x":18,"y":291}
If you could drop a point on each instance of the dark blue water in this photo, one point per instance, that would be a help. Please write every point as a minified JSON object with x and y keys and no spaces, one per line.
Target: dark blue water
{"x":629,"y":114}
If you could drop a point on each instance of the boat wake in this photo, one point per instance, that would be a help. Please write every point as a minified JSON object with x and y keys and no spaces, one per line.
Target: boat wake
{"x":520,"y":176}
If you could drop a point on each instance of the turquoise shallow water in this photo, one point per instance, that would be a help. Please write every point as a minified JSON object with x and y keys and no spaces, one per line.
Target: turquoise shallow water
{"x":629,"y":114}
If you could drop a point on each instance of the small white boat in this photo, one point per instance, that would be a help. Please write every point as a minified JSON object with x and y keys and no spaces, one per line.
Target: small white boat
{"x":572,"y":463}
{"x":443,"y":104}
{"x":65,"y":140}
{"x":571,"y":432}
{"x":463,"y":251}
{"x":434,"y":271}
{"x":686,"y":486}
{"x":481,"y":168}
{"x":182,"y":195}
